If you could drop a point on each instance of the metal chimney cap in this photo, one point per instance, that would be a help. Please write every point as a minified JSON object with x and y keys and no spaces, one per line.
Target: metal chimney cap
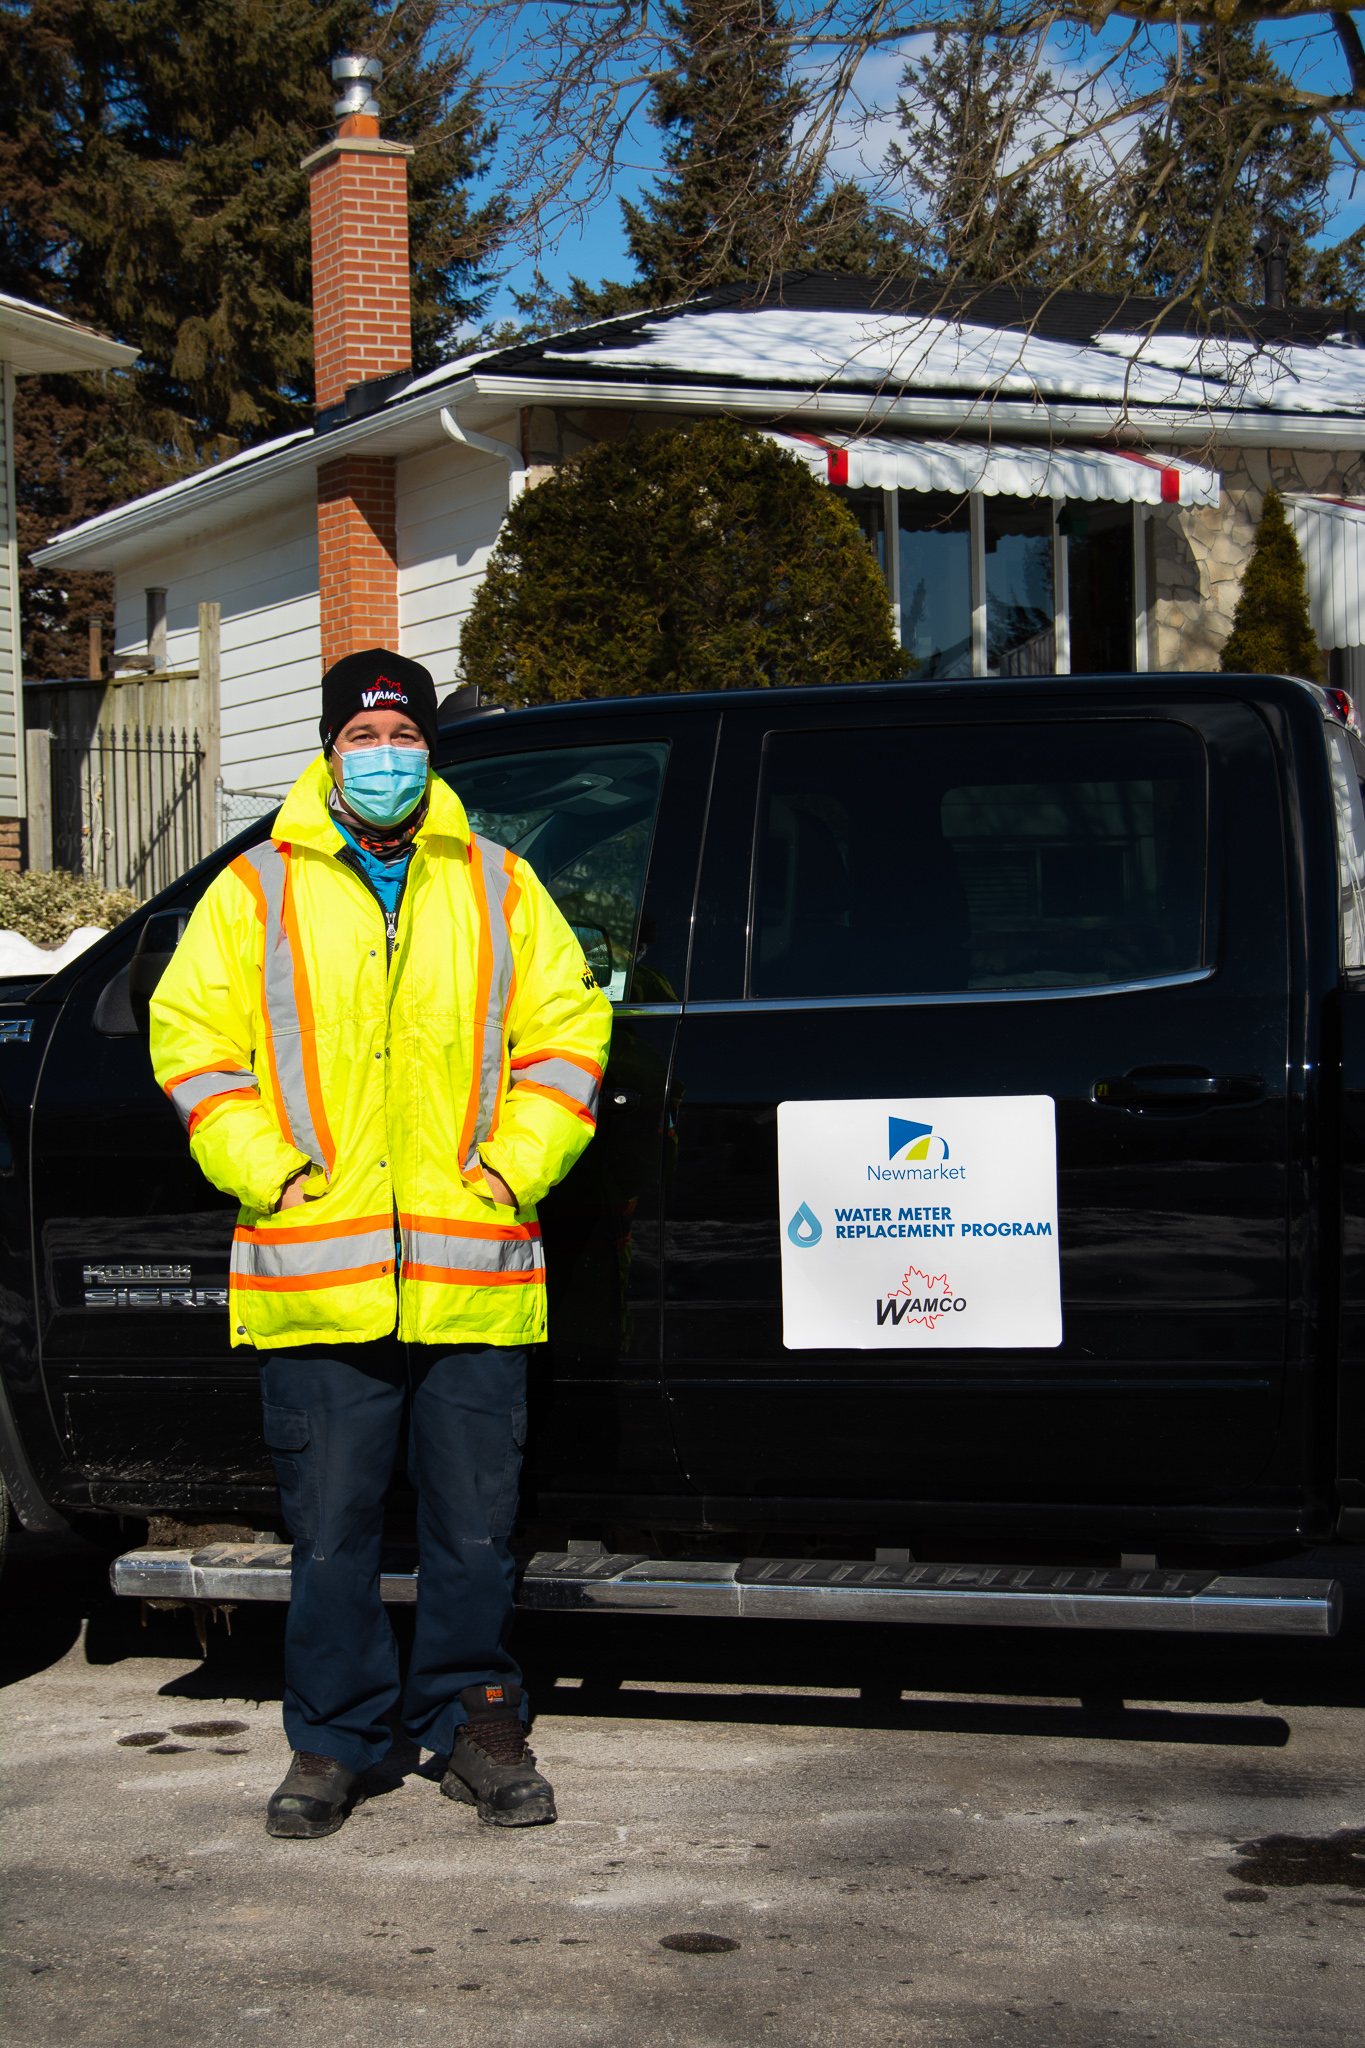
{"x":357,"y":67}
{"x":352,"y":73}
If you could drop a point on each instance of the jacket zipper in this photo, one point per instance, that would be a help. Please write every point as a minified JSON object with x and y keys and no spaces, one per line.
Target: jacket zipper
{"x":390,"y":917}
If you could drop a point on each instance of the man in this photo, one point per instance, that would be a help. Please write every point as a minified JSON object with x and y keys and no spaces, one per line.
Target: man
{"x":384,"y":1040}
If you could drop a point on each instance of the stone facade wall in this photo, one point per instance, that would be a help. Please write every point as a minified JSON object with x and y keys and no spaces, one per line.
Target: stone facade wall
{"x":1199,"y":553}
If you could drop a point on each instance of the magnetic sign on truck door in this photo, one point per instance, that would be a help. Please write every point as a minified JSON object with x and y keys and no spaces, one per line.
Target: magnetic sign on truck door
{"x":919,"y":1223}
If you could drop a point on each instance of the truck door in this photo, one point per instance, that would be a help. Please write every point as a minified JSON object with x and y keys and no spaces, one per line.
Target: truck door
{"x":609,"y":814}
{"x":990,"y":894}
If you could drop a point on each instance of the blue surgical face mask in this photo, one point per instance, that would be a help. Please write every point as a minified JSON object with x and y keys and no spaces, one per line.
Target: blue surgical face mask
{"x":382,"y":784}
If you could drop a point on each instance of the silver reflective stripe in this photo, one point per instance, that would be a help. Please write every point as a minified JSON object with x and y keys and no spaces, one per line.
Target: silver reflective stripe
{"x":472,"y":1254}
{"x":496,"y":882}
{"x":563,"y":1075}
{"x":187,"y":1095}
{"x":302,"y":1260}
{"x":282,"y":1013}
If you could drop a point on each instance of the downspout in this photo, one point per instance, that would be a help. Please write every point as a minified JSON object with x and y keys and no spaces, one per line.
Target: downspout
{"x":504,"y":450}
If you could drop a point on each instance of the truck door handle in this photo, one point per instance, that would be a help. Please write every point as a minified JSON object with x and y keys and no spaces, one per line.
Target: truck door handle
{"x":1187,"y":1088}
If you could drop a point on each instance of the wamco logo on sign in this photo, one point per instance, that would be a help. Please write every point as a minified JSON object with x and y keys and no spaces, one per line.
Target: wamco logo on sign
{"x":923,"y":1150}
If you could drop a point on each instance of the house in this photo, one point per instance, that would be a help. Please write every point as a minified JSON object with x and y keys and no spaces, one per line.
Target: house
{"x":1049,"y":481}
{"x":33,"y":342}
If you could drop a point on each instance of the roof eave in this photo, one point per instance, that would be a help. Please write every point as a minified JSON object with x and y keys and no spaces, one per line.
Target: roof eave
{"x":410,"y":423}
{"x":37,"y":341}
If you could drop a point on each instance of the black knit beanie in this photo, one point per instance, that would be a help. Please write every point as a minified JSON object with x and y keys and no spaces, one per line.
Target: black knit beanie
{"x":375,"y":680}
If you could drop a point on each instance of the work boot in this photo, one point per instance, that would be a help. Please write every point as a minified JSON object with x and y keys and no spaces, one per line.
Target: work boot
{"x":312,"y":1801}
{"x":491,"y":1767}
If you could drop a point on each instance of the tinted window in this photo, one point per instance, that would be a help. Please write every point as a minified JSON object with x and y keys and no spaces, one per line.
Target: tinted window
{"x":584,"y":818}
{"x":913,"y":859}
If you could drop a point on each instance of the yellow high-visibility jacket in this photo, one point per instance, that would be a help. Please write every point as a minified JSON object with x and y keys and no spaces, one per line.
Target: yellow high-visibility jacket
{"x":286,"y":1039}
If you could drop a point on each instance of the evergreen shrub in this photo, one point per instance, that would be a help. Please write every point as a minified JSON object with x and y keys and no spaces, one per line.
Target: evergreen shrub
{"x":702,"y":557}
{"x":47,"y":908}
{"x":1272,"y":634}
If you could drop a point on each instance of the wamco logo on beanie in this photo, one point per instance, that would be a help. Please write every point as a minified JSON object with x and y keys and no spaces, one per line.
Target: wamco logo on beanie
{"x":384,"y":692}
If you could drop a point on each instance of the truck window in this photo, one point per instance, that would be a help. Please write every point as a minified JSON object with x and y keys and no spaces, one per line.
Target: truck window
{"x":1350,"y":813}
{"x":910,"y":859}
{"x":584,"y":818}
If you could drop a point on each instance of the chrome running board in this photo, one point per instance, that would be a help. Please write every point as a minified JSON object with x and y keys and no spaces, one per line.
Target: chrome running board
{"x":805,"y":1589}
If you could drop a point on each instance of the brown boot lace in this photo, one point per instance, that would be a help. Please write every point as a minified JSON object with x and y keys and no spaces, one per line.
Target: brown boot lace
{"x":501,"y":1737}
{"x":312,"y":1765}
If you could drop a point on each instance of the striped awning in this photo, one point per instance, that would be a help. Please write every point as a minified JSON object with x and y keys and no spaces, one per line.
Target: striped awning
{"x":1004,"y":469}
{"x":1331,"y":533}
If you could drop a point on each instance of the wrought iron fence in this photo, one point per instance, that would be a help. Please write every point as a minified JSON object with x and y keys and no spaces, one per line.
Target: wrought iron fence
{"x":128,"y":803}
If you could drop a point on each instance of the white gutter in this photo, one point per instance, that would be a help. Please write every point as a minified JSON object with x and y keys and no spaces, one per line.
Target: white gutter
{"x":513,"y":457}
{"x":401,"y":425}
{"x":1094,"y":421}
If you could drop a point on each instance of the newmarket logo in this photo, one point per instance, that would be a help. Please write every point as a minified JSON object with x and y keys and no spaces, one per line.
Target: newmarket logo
{"x":921,"y":1298}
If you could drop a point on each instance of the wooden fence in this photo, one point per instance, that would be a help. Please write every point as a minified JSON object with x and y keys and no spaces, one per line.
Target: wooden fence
{"x":122,"y":771}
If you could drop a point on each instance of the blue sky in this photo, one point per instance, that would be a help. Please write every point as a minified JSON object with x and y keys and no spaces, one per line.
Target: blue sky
{"x":1307,"y":49}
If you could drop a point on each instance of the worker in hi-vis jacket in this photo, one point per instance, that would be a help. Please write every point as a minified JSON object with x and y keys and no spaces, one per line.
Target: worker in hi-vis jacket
{"x":383,"y":1039}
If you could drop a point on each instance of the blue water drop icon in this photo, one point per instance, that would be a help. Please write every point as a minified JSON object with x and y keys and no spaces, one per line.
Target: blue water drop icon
{"x":804,"y":1228}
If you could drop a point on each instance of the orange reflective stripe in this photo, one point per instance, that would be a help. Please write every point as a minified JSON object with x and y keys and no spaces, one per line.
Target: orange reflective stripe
{"x":483,"y":992}
{"x":303,"y":1002}
{"x":452,"y":1226}
{"x":247,"y":875}
{"x":212,"y":1102}
{"x":302,"y":1283}
{"x":511,"y":897}
{"x":455,"y":1276}
{"x":564,"y":1101}
{"x":314,"y":1233}
{"x":554,"y":1052}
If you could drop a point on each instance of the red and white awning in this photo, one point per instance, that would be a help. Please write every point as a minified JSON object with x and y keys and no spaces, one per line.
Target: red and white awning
{"x":1004,"y":469}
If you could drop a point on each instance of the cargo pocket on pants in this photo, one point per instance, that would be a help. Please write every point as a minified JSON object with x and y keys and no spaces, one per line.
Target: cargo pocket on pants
{"x":288,"y":1438}
{"x":505,"y":1512}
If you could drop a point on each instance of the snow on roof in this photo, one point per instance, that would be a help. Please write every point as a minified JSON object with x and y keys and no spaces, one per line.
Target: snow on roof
{"x":197,"y":478}
{"x":782,"y":345}
{"x":34,"y":338}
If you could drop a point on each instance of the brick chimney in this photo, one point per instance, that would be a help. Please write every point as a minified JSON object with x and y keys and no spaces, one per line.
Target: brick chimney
{"x":362,"y":331}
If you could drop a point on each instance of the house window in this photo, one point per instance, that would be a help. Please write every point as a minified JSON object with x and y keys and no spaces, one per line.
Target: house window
{"x":935,"y":563}
{"x":989,"y":585}
{"x":1021,"y":610}
{"x":1099,"y":579}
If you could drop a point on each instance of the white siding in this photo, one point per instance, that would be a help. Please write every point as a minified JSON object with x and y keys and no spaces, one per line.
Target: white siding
{"x":451,"y":504}
{"x":265,"y":577}
{"x":11,"y":717}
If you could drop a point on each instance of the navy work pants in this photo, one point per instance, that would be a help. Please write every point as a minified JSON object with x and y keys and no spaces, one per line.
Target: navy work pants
{"x":334,"y":1416}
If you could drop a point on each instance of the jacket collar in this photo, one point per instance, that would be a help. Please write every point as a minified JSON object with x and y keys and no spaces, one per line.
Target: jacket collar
{"x":305,"y":819}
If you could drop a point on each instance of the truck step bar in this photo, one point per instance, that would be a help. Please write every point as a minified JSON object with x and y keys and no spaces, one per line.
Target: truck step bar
{"x":583,"y":1580}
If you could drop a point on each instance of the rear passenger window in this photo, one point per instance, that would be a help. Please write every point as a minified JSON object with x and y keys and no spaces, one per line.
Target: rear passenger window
{"x":914,"y":859}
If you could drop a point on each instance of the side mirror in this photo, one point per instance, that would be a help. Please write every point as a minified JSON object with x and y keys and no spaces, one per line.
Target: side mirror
{"x":123,"y":1008}
{"x":596,"y":950}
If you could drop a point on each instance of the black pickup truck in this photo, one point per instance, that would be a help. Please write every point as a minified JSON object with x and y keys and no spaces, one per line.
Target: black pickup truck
{"x":1129,"y":911}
